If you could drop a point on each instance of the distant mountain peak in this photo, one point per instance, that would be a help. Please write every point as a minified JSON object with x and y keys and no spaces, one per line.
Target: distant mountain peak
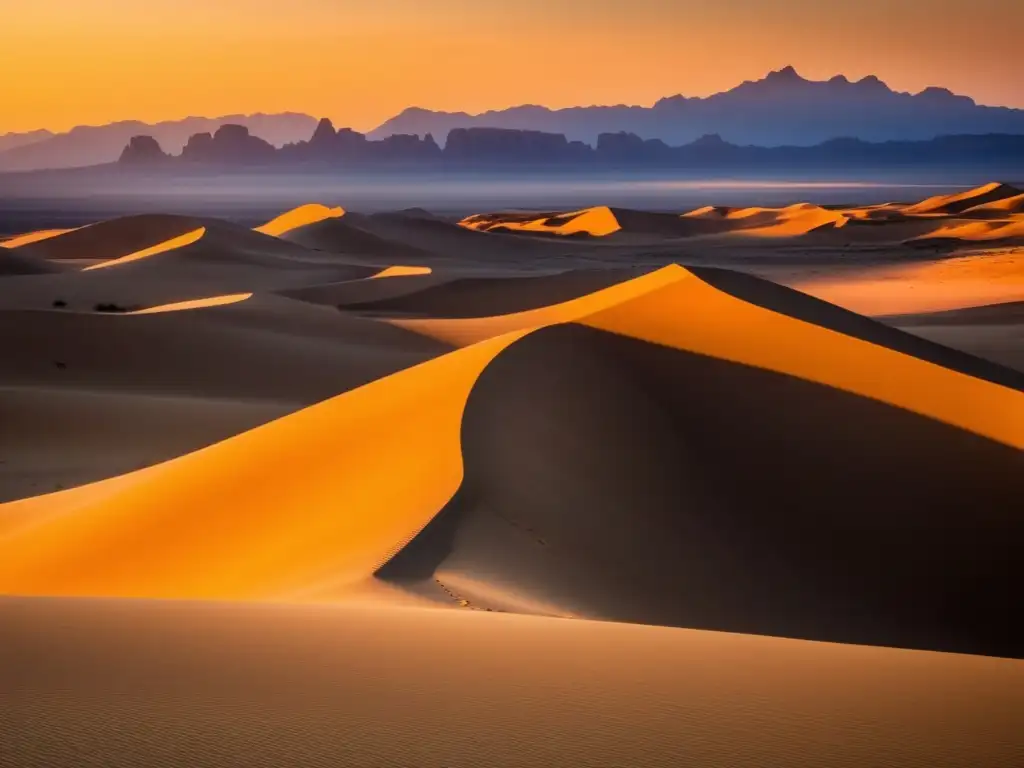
{"x":787,"y":74}
{"x":871,"y":81}
{"x":710,"y":140}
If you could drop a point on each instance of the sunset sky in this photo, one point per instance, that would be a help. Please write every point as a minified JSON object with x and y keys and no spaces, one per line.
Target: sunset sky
{"x":69,"y":62}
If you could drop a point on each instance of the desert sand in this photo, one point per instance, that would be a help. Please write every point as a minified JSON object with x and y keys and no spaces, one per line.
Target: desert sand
{"x":731,"y":486}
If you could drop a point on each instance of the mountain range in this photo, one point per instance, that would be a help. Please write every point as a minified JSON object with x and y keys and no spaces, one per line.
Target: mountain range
{"x":780,"y":109}
{"x":514,"y":151}
{"x":94,"y":145}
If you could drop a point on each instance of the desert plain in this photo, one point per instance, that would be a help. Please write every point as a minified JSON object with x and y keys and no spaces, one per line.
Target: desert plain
{"x":604,"y":487}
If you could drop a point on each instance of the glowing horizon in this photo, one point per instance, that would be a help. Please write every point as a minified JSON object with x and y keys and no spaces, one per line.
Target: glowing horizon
{"x":360,"y":65}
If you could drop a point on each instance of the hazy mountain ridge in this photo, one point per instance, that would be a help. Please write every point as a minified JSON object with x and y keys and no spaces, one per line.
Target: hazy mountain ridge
{"x":509,"y":150}
{"x":782,"y":108}
{"x":94,"y":145}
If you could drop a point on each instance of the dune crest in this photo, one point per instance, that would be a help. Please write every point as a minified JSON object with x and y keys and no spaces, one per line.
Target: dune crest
{"x":32,"y":237}
{"x":962,"y":201}
{"x":370,"y":468}
{"x":213,"y":301}
{"x":303,"y":216}
{"x":168,"y":245}
{"x":400,"y":271}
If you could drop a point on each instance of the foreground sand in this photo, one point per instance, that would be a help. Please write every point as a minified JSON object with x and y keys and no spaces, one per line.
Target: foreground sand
{"x":409,"y":460}
{"x":112,"y":683}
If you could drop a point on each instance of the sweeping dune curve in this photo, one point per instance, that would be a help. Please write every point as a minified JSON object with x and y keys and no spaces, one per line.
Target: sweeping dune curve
{"x":373,"y":467}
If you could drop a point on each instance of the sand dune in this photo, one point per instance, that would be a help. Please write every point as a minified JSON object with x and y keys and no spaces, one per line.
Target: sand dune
{"x":302,"y":216}
{"x":213,"y":301}
{"x":396,"y":457}
{"x":600,"y":221}
{"x":951,"y":204}
{"x":218,"y":259}
{"x":952,"y":283}
{"x":340,"y":235}
{"x":992,"y":331}
{"x":168,"y":245}
{"x":14,"y":263}
{"x":400,"y":271}
{"x":1002,"y":207}
{"x":469,"y":248}
{"x":278,"y":685}
{"x":114,"y":238}
{"x":790,"y":221}
{"x":980,"y":231}
{"x":31,"y":237}
{"x":410,"y":430}
{"x":485,"y":296}
{"x":268,"y":355}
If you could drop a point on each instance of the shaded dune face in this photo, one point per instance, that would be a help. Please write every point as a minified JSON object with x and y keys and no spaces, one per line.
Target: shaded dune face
{"x":482,"y":297}
{"x":688,"y":447}
{"x":623,"y":480}
{"x":114,"y":238}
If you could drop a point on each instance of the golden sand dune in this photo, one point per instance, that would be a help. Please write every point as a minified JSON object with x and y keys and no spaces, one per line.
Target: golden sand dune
{"x":168,"y":245}
{"x":548,"y":395}
{"x":482,"y":296}
{"x":561,"y":426}
{"x":217,"y":259}
{"x":302,"y":216}
{"x":205,"y":374}
{"x":1002,"y":207}
{"x":31,"y":237}
{"x":952,"y":283}
{"x":600,"y":221}
{"x":957,"y":203}
{"x":343,"y":235}
{"x":271,"y":685}
{"x":114,"y":238}
{"x":790,"y":221}
{"x":400,"y":271}
{"x":980,"y":231}
{"x":213,"y":301}
{"x":597,"y":222}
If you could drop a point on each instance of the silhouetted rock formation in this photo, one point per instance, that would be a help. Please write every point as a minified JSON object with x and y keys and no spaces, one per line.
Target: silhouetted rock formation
{"x":143,"y":150}
{"x":503,"y":146}
{"x":507,"y":150}
{"x":782,"y":108}
{"x":94,"y":145}
{"x":231,"y":144}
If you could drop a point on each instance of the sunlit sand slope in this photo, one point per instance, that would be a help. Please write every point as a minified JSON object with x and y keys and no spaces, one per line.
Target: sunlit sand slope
{"x":31,"y":237}
{"x":954,"y":283}
{"x":981,"y":231}
{"x":609,"y":478}
{"x":212,"y":301}
{"x":951,"y":204}
{"x":88,"y":395}
{"x":701,"y":382}
{"x":302,"y":216}
{"x":114,"y":238}
{"x":141,"y":684}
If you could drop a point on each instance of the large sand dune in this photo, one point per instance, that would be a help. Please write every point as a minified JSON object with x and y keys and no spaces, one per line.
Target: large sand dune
{"x":432,"y":426}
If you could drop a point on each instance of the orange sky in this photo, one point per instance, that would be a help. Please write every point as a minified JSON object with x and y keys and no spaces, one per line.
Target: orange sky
{"x":68,"y":62}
